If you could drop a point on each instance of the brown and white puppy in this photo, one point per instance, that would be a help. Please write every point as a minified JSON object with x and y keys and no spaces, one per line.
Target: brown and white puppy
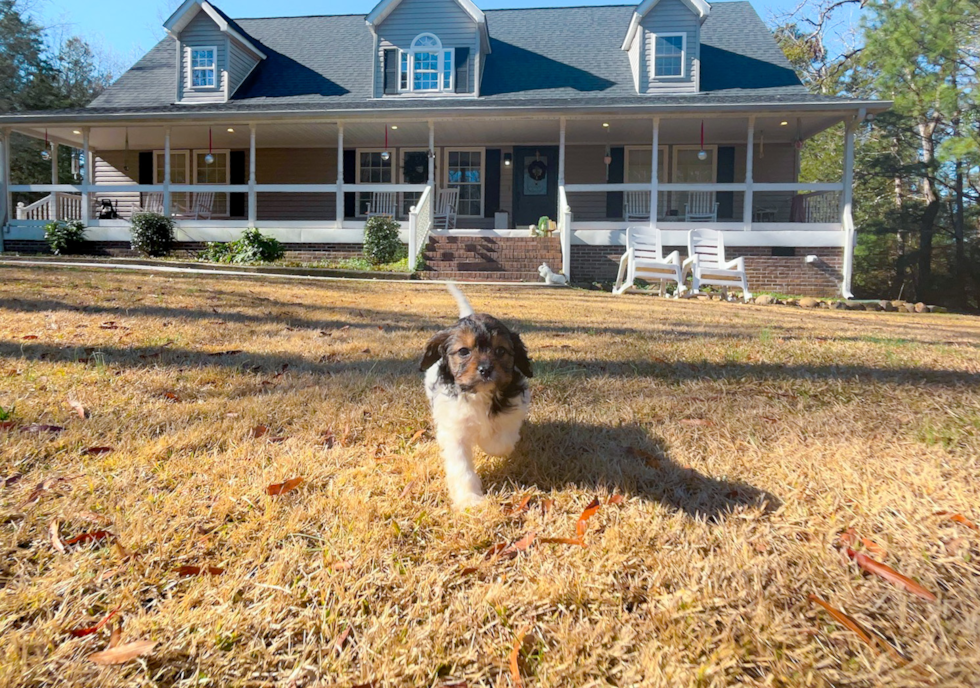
{"x":476,"y":382}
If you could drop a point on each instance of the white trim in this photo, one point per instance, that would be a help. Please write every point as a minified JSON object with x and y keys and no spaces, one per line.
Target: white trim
{"x":208,"y":186}
{"x":699,"y":7}
{"x":670,"y":34}
{"x":189,"y":86}
{"x":675,"y":234}
{"x":483,"y":173}
{"x":386,"y":7}
{"x":440,"y":70}
{"x":186,"y":12}
{"x":161,"y":153}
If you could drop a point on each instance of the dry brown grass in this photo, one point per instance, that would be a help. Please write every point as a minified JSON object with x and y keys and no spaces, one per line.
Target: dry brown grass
{"x":819,"y":421}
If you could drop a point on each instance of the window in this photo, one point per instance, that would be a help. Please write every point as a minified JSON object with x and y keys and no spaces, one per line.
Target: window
{"x":668,"y":55}
{"x":371,"y":169}
{"x":426,"y":67}
{"x":464,"y":171}
{"x":638,"y":165}
{"x":204,"y":69}
{"x":689,"y":169}
{"x":215,"y":173}
{"x":180,"y":166}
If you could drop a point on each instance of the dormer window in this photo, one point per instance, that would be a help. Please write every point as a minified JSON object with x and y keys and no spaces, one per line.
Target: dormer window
{"x":203,"y":67}
{"x":426,"y":67}
{"x":669,"y":54}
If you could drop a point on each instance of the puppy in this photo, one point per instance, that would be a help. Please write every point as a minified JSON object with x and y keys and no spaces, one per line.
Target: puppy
{"x":551,"y":277}
{"x":476,"y":376}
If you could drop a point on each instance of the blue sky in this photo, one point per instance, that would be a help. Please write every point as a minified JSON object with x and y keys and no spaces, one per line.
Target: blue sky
{"x":128,"y":28}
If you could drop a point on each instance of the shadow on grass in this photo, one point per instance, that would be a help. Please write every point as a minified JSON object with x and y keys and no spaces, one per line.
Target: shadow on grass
{"x":623,"y":459}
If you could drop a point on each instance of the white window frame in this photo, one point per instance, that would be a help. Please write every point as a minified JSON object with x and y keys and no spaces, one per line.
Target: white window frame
{"x":191,"y":69}
{"x":215,"y":151}
{"x":395,"y":156}
{"x":441,"y":51}
{"x":158,"y":154}
{"x":683,"y":74}
{"x":643,"y":152}
{"x":714,"y":162}
{"x":483,"y":174}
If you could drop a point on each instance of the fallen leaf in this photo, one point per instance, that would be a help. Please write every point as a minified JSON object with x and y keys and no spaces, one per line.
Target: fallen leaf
{"x":469,"y":570}
{"x":12,"y":479}
{"x":889,"y":574}
{"x":873,"y":547}
{"x":258,"y":431}
{"x":651,"y":459}
{"x":282,"y":371}
{"x":495,"y":550}
{"x":170,"y":396}
{"x":616,"y":499}
{"x":702,"y":422}
{"x":338,"y":644}
{"x":30,"y":336}
{"x":92,"y":451}
{"x":187,"y":571}
{"x":7,"y":425}
{"x":408,"y":489}
{"x":115,"y":637}
{"x":515,"y":669}
{"x":518,"y":546}
{"x":109,"y":325}
{"x":520,"y":508}
{"x":79,"y":409}
{"x":546,"y":505}
{"x":871,"y":640}
{"x":959,"y":518}
{"x":278,"y":439}
{"x":46,"y":486}
{"x":283,"y":488}
{"x":366,"y":351}
{"x":848,"y":538}
{"x":327,"y":439}
{"x":589,"y":512}
{"x":342,"y":565}
{"x":417,"y":436}
{"x":564,"y":541}
{"x":95,"y":536}
{"x":123,"y":653}
{"x":231,"y":352}
{"x":82,"y":632}
{"x":37,"y":428}
{"x":56,"y":536}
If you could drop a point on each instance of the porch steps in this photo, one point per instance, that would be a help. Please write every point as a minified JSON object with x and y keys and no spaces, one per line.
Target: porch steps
{"x":483,"y":259}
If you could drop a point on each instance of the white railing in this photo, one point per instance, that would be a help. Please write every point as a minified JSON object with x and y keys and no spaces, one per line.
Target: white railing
{"x":565,"y":232}
{"x":57,"y":206}
{"x":419,"y":225}
{"x":818,"y":206}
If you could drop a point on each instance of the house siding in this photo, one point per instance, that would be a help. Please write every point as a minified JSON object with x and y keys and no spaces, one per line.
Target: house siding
{"x":296,"y":166}
{"x":202,"y":32}
{"x":672,"y":16}
{"x":585,"y":165}
{"x":241,"y":61}
{"x":444,"y":18}
{"x":109,"y":169}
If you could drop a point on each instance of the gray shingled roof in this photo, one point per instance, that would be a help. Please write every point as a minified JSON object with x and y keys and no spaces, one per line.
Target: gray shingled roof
{"x":541,"y":58}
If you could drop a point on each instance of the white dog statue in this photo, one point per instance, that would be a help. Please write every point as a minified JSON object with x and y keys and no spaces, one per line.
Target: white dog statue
{"x":551,"y":277}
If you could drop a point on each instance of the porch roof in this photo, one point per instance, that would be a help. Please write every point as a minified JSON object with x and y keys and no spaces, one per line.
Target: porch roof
{"x":551,"y":60}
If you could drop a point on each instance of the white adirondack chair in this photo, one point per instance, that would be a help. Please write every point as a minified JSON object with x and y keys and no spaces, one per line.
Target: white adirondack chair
{"x":644,"y":259}
{"x":701,"y":207}
{"x":446,"y":203}
{"x":637,"y":206}
{"x":383,"y":203}
{"x":707,"y":265}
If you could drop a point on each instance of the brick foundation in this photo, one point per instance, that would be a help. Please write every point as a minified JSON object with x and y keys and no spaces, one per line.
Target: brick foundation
{"x":784,"y":274}
{"x":305,"y":252}
{"x":505,"y":259}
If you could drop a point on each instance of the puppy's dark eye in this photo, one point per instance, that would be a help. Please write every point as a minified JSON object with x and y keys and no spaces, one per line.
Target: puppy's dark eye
{"x":464,"y":352}
{"x":501,"y":351}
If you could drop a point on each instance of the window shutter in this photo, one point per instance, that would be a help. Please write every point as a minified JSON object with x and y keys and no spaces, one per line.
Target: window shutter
{"x":491,"y":184}
{"x":236,"y":175}
{"x":350,"y":172}
{"x":726,"y":175}
{"x":614,"y":199}
{"x":390,"y":71}
{"x":462,"y":75}
{"x":145,"y":168}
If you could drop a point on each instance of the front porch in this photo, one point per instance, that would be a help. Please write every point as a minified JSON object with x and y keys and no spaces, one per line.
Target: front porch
{"x":310,"y":183}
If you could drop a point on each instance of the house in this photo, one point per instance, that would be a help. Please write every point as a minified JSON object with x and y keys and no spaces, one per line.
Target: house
{"x":674,"y":112}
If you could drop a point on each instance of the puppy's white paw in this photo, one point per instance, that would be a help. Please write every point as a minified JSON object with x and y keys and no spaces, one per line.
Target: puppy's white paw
{"x":468,"y":500}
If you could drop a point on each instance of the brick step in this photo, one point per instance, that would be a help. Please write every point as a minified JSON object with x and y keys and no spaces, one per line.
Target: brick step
{"x":481,"y":276}
{"x":530,"y":266}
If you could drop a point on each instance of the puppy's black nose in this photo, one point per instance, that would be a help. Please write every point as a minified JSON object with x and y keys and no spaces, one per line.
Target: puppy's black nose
{"x":486,"y":370}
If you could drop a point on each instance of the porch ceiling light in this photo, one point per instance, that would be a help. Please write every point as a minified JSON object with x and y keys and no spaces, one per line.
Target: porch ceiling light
{"x":605,"y":125}
{"x":508,"y":159}
{"x":76,"y":131}
{"x":230,"y":130}
{"x":783,"y":123}
{"x":394,"y":126}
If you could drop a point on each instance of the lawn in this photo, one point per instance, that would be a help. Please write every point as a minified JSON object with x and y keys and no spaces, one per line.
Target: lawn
{"x":744,"y":441}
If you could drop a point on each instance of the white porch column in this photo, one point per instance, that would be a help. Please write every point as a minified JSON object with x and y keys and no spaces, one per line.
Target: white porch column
{"x":747,"y":200}
{"x":252,"y":201}
{"x":655,"y":174}
{"x":54,"y":180}
{"x":6,"y":212}
{"x":847,"y":216}
{"x":86,"y":178}
{"x":340,"y":175}
{"x":432,"y":153}
{"x":561,"y":152}
{"x":166,"y":172}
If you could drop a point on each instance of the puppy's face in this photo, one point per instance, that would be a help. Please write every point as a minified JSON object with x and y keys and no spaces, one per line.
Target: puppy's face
{"x":479,"y":353}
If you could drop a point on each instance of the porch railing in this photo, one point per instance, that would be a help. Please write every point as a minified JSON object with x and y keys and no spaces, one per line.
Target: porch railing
{"x":816,"y":206}
{"x":565,"y":232}
{"x":57,"y":206}
{"x":419,"y":225}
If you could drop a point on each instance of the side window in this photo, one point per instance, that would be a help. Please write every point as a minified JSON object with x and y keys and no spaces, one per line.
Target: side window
{"x":204,"y":70}
{"x":669,"y":55}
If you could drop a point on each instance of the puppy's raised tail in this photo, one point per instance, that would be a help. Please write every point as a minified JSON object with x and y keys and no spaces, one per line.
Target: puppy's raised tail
{"x":465,"y":309}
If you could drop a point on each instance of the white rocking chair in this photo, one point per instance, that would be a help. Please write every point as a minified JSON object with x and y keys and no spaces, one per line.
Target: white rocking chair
{"x":707,"y":265}
{"x":644,"y":259}
{"x":383,"y":203}
{"x":701,"y":207}
{"x":637,"y":206}
{"x":200,"y":208}
{"x":446,"y":203}
{"x":152,"y":203}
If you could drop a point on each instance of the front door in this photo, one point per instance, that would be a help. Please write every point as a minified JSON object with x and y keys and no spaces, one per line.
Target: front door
{"x":535,"y":184}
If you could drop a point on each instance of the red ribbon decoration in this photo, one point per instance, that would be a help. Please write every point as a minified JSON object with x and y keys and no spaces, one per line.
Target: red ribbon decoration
{"x":702,"y":134}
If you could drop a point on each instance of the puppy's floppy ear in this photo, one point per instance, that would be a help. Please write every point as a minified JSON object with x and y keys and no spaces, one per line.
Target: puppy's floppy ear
{"x":521,"y":361}
{"x":434,"y":349}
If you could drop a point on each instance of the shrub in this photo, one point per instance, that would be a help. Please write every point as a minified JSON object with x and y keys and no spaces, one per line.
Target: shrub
{"x":253,"y":247}
{"x":381,"y":243}
{"x":64,"y":237}
{"x":152,"y":234}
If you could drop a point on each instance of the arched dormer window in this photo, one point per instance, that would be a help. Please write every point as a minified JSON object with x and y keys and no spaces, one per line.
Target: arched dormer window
{"x":426,"y":67}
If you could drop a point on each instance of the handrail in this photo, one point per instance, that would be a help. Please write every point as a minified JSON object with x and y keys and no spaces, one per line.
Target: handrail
{"x":55,"y":206}
{"x":420,"y":219}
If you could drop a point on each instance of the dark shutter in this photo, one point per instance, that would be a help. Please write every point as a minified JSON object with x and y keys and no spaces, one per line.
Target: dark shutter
{"x":237,"y":175}
{"x":463,"y":70}
{"x":146,"y":168}
{"x":614,"y":199}
{"x":726,"y":175}
{"x":391,"y":71}
{"x":491,"y":185}
{"x":350,"y":172}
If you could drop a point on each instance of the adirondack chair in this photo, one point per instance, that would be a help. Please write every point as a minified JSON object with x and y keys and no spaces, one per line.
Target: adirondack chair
{"x":200,"y":208}
{"x":637,"y":206}
{"x":644,"y":259}
{"x":707,"y":265}
{"x":152,"y":203}
{"x":382,"y":203}
{"x":446,"y":203}
{"x":701,"y":207}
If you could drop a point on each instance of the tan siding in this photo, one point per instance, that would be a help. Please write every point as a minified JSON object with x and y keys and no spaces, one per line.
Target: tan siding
{"x":672,"y":16}
{"x":108,"y":169}
{"x":507,"y":183}
{"x":202,"y":32}
{"x":296,"y":166}
{"x":585,"y":165}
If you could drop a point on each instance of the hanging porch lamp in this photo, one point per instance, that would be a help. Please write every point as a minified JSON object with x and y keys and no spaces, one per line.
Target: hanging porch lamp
{"x":209,"y":158}
{"x":385,"y":154}
{"x":46,"y":153}
{"x":702,"y":154}
{"x":126,"y":152}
